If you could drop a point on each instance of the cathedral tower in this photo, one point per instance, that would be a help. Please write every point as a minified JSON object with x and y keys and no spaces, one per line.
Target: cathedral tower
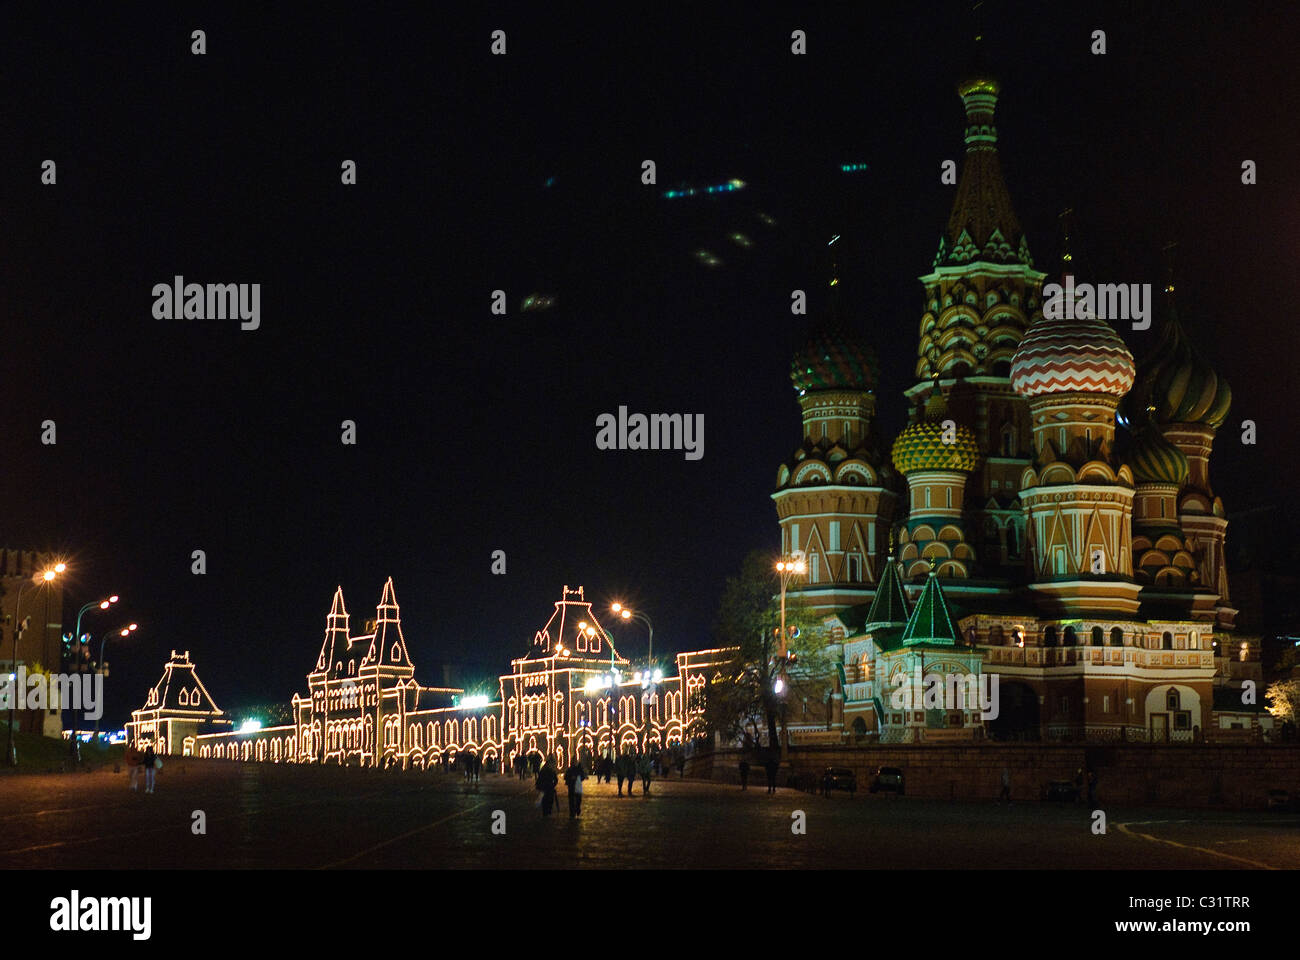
{"x":833,"y":497}
{"x":981,"y":295}
{"x":1188,"y":401}
{"x":1078,"y":498}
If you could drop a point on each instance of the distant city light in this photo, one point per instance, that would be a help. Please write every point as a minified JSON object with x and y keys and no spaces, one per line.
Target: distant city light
{"x":475,"y":700}
{"x":779,"y":685}
{"x":728,"y":187}
{"x":707,"y":258}
{"x":537,"y":301}
{"x":741,"y":240}
{"x":852,"y":167}
{"x":249,"y":726}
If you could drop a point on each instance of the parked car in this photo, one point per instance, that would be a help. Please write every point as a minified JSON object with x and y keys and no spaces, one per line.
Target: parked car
{"x":839,"y":778}
{"x":1064,"y":790}
{"x":888,"y":778}
{"x":1282,"y":800}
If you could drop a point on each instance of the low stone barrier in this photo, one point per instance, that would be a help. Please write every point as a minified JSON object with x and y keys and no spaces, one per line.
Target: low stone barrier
{"x":1235,"y":776}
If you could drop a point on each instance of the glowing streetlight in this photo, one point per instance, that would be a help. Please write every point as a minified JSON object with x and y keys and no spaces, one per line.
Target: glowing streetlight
{"x":11,"y":753}
{"x":627,"y":614}
{"x":124,"y":631}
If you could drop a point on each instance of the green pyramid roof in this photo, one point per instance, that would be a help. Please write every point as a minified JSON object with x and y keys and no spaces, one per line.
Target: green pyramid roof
{"x":931,"y":622}
{"x":889,"y":605}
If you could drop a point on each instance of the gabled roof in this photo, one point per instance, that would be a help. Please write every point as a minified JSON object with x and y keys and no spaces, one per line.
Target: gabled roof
{"x":889,"y":605}
{"x":180,"y":688}
{"x":931,"y":623}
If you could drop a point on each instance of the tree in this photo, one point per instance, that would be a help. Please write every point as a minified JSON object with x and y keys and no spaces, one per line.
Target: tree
{"x":746,"y":697}
{"x":1284,"y":700}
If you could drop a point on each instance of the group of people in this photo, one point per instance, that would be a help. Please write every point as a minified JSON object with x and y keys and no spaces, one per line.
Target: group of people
{"x":770,"y":767}
{"x":145,"y":760}
{"x":628,"y":767}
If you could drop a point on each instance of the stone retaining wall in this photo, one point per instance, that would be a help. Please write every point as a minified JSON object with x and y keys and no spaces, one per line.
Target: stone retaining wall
{"x":1192,"y":775}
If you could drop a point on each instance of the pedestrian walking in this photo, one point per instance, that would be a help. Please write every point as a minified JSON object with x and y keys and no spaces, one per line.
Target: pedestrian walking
{"x":681,"y":765}
{"x":151,"y":766}
{"x":573,"y":778}
{"x":546,"y":781}
{"x":744,"y":774}
{"x":134,"y":761}
{"x":1006,"y":786}
{"x":620,"y":767}
{"x":645,"y":768}
{"x":769,"y":767}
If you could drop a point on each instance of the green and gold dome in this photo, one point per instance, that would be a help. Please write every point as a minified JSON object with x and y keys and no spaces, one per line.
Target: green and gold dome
{"x":921,"y":446}
{"x":833,"y":359}
{"x":1155,"y":460}
{"x":1179,"y":383}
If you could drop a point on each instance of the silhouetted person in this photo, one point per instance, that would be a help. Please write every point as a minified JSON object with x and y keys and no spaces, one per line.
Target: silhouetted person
{"x":769,"y":767}
{"x":744,"y":774}
{"x":573,"y":778}
{"x":546,"y":782}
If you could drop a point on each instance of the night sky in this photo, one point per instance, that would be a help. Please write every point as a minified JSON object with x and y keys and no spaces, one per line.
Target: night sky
{"x":476,"y":432}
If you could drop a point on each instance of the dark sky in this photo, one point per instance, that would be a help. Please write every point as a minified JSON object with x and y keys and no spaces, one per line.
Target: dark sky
{"x":476,"y":432}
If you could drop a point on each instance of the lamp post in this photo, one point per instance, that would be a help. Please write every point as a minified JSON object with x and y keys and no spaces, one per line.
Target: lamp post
{"x":627,"y":614}
{"x":102,"y":604}
{"x":40,"y":580}
{"x":124,"y":631}
{"x":787,"y":568}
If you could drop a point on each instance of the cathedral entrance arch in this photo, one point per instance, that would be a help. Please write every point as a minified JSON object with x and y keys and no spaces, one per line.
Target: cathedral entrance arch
{"x":1018,"y":717}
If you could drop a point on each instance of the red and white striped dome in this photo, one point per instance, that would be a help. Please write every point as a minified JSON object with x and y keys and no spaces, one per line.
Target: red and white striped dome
{"x":1077,"y":355}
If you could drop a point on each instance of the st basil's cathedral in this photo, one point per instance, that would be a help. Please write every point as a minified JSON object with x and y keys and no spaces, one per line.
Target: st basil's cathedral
{"x":1011,"y":529}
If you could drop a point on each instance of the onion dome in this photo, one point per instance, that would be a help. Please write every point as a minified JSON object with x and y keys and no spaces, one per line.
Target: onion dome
{"x":921,"y":446}
{"x":1155,"y":460}
{"x":1180,"y":384}
{"x":1079,"y":355}
{"x":833,"y":359}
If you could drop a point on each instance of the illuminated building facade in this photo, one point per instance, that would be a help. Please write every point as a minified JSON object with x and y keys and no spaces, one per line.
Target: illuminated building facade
{"x":571,"y":693}
{"x":1049,"y":495}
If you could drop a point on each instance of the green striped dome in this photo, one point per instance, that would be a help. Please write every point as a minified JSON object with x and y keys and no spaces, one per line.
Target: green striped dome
{"x":921,"y":447}
{"x":1155,"y":460}
{"x":1180,"y":384}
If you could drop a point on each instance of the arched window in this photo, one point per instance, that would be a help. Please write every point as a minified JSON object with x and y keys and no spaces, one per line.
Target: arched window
{"x":1167,"y":641}
{"x":1098,"y":636}
{"x":1116,"y":637}
{"x":1008,"y":440}
{"x":1013,"y":540}
{"x":1049,"y":636}
{"x":1070,"y":638}
{"x":1171,"y":698}
{"x":996,"y":637}
{"x":1193,"y":641}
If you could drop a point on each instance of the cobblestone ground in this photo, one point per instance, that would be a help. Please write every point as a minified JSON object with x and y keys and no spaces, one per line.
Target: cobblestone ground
{"x":263,"y":816}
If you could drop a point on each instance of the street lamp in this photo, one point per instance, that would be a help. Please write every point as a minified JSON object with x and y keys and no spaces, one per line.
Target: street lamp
{"x":40,"y":580}
{"x":124,"y":631}
{"x":102,"y":604}
{"x":627,"y":614}
{"x":788,"y":567}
